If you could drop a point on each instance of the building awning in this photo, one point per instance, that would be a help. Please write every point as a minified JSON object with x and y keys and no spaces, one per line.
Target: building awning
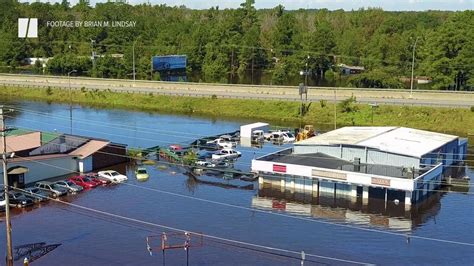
{"x":17,"y":170}
{"x":89,"y":148}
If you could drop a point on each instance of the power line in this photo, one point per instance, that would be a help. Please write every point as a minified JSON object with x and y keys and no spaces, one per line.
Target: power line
{"x":220,"y":46}
{"x":114,"y":125}
{"x":242,"y":149}
{"x":246,"y":164}
{"x":215,"y":241}
{"x":281,"y":214}
{"x":188,"y":231}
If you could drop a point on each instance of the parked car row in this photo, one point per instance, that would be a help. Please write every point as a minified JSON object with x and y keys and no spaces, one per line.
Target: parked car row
{"x":44,"y":190}
{"x":279,"y":136}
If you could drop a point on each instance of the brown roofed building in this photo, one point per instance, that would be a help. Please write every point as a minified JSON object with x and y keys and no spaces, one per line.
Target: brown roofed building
{"x":22,"y":144}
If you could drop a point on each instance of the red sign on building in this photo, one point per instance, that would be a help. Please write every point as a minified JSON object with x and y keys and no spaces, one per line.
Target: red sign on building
{"x":279,"y":168}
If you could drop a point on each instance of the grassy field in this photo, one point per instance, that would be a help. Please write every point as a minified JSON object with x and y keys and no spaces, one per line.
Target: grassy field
{"x":321,"y":114}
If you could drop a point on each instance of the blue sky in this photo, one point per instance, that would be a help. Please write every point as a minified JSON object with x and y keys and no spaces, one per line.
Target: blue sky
{"x":414,"y":5}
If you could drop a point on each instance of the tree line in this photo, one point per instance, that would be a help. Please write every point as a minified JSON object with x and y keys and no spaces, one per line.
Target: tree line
{"x":246,"y":45}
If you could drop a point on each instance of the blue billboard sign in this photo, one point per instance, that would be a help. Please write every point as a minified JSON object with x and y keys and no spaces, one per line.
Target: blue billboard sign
{"x":169,"y":62}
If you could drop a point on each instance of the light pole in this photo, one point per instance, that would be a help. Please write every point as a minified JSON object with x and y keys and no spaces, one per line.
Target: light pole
{"x":70,"y":96}
{"x":413,"y":68}
{"x":305,"y":73}
{"x":133,"y":52}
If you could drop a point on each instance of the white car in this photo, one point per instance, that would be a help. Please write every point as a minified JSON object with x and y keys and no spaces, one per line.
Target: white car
{"x":113,"y":176}
{"x":223,"y":144}
{"x":3,"y":202}
{"x":258,"y":135}
{"x":288,"y":137}
{"x":204,"y":164}
{"x":268,"y":135}
{"x":226,"y":154}
{"x":282,"y":137}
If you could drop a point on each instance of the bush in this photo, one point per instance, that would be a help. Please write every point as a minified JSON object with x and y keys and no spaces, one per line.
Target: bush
{"x":375,"y":79}
{"x":349,"y":105}
{"x":323,"y":103}
{"x":472,"y":109}
{"x":214,"y":97}
{"x":134,"y":152}
{"x":49,"y":91}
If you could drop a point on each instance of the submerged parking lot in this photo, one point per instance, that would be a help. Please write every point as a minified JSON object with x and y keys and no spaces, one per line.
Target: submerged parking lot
{"x":171,"y":198}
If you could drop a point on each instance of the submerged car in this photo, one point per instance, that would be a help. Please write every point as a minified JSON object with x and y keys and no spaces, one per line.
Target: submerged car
{"x":113,"y":176}
{"x":2,"y":201}
{"x":70,"y":186}
{"x":204,"y":164}
{"x":19,"y":200}
{"x":83,"y":181}
{"x":226,"y":154}
{"x":258,"y":136}
{"x":282,"y":137}
{"x":203,"y":156}
{"x":96,"y":178}
{"x":222,"y":144}
{"x":141,"y":173}
{"x":55,"y":190}
{"x":41,"y":195}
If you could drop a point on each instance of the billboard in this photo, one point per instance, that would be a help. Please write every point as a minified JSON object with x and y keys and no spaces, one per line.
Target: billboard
{"x":168,"y":62}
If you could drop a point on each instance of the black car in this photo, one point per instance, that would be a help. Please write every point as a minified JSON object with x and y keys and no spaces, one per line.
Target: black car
{"x":19,"y":200}
{"x":37,"y":194}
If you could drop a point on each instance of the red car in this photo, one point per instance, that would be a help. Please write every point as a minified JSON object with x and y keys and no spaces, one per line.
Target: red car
{"x":95,"y":177}
{"x":83,"y":181}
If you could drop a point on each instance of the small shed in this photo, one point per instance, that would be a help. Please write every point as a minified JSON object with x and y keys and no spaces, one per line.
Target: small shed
{"x":247,"y":130}
{"x":96,"y":154}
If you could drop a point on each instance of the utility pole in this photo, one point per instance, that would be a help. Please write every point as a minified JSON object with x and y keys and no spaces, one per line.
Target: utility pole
{"x":232,"y":66}
{"x":134,"y":60}
{"x":335,"y":108}
{"x":9,"y":259}
{"x":252,"y":64}
{"x":93,"y":54}
{"x":70,"y":96}
{"x":413,"y":68}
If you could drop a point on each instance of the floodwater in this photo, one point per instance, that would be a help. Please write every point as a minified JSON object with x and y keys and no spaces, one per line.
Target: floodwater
{"x":333,"y":228}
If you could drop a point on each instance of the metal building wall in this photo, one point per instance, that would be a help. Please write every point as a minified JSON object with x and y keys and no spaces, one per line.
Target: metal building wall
{"x":46,"y":168}
{"x":334,"y":151}
{"x":369,"y":156}
{"x":378,"y":157}
{"x":448,"y":154}
{"x":349,"y":153}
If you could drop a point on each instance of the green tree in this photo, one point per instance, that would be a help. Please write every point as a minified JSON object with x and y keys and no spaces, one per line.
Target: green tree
{"x":375,"y":79}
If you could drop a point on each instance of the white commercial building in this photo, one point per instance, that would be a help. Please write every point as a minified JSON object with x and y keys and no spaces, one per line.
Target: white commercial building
{"x":396,"y":163}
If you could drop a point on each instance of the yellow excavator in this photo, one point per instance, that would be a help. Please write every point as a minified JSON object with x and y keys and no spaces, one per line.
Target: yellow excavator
{"x":305,"y":133}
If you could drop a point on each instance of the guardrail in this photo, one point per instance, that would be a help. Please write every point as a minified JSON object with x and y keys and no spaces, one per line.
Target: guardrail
{"x":291,"y":98}
{"x":137,"y":82}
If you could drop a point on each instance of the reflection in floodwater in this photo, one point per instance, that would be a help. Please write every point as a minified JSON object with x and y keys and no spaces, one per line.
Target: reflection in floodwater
{"x":339,"y":209}
{"x":33,"y":251}
{"x":216,"y":180}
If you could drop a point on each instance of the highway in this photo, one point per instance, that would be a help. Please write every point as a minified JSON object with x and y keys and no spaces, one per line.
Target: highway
{"x":262,"y":92}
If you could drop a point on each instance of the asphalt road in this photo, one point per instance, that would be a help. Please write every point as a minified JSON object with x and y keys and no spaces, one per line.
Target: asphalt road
{"x":285,"y":93}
